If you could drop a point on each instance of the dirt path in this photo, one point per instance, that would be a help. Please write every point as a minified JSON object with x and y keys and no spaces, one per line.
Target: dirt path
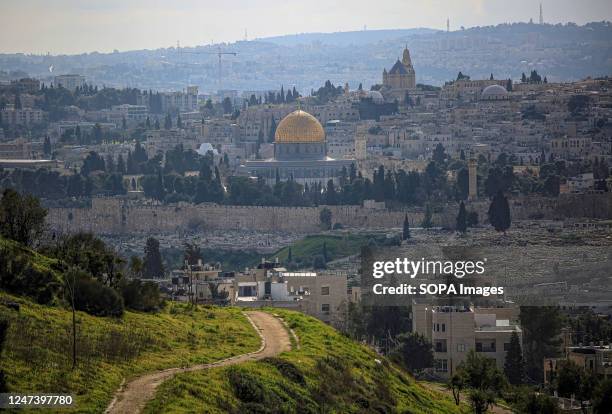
{"x":132,"y":397}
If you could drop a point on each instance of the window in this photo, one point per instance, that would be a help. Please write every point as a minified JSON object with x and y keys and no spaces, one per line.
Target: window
{"x":441,"y":365}
{"x":324,"y":290}
{"x":325,"y":308}
{"x":440,"y":345}
{"x":460,"y":347}
{"x":443,"y":327}
{"x":506,"y":346}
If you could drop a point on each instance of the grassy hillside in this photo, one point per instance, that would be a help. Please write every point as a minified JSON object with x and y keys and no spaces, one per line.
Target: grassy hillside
{"x":329,"y":373}
{"x":37,"y":355}
{"x":337,"y":246}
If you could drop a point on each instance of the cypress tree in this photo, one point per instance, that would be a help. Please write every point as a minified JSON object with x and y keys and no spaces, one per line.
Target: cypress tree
{"x":462,"y":218}
{"x":499,"y":212}
{"x":153,"y":264}
{"x":272,"y":131}
{"x":513,"y":366}
{"x":406,"y":231}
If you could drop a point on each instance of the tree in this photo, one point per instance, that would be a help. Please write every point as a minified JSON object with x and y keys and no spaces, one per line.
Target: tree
{"x":227,"y":105}
{"x":461,"y":222}
{"x":179,"y":122}
{"x":325,"y":217}
{"x":568,"y":378}
{"x":4,"y":324}
{"x":482,"y":376}
{"x":47,"y":147}
{"x":456,"y":384}
{"x":22,"y":218}
{"x":513,"y":365}
{"x":406,"y":228}
{"x":93,"y":162}
{"x":121,"y":165}
{"x":499,"y":212}
{"x":272,"y":131}
{"x":509,"y":85}
{"x":168,"y":122}
{"x":153,"y":264}
{"x":463,"y":184}
{"x":439,"y":155}
{"x":193,"y":253}
{"x":427,"y":218}
{"x":414,"y":352}
{"x":602,"y":397}
{"x":472,"y":218}
{"x":541,"y":327}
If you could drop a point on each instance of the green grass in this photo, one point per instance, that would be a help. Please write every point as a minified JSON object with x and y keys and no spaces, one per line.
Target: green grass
{"x":329,"y":373}
{"x":39,"y":262}
{"x":37,"y":355}
{"x":337,"y":246}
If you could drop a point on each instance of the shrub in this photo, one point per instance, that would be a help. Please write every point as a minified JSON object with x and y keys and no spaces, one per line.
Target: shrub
{"x":95,"y":298}
{"x":140,"y":296}
{"x":289,"y":370}
{"x":19,"y":276}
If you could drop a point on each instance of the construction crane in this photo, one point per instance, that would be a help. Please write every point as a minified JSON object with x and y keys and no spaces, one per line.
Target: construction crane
{"x":220,"y":52}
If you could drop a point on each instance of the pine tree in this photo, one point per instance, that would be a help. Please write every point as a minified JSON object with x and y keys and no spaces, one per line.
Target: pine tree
{"x":179,"y":122}
{"x":499,"y":212}
{"x":157,"y":123}
{"x":406,"y":231}
{"x":289,"y":256}
{"x":462,"y":219}
{"x":513,"y":366}
{"x":168,"y":122}
{"x":148,"y":123}
{"x":153,"y":264}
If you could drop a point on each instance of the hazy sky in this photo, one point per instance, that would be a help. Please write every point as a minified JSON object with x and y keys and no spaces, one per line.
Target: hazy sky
{"x":73,"y":26}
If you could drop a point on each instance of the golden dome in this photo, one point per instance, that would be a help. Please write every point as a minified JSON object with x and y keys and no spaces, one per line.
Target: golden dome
{"x":299,"y":126}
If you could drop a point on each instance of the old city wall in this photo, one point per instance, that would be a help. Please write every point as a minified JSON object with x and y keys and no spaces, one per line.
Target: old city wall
{"x":122,"y":216}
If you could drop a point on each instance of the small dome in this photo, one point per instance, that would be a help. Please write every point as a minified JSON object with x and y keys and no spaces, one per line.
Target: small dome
{"x":376,"y":97}
{"x":494,"y":90}
{"x":299,"y":126}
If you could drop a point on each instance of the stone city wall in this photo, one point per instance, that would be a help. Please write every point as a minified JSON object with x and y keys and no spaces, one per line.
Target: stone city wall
{"x":123,"y":216}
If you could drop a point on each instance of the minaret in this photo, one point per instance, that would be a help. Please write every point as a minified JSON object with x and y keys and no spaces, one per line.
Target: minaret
{"x":472,"y":179}
{"x":541,"y":15}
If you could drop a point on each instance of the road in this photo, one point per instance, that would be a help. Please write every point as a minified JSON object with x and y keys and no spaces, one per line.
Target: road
{"x":133,"y":396}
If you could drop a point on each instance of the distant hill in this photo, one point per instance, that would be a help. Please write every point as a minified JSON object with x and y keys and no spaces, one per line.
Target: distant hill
{"x":560,"y":52}
{"x":345,"y":38}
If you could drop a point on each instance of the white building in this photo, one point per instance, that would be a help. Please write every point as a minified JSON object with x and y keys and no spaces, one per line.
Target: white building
{"x":70,"y":82}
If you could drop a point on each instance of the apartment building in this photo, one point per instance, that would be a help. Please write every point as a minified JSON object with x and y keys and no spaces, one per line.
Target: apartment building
{"x":596,"y":359}
{"x":454,"y":330}
{"x":322,"y":295}
{"x":70,"y":81}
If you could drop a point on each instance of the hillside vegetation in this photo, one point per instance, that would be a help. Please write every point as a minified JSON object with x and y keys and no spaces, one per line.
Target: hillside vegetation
{"x":328,"y":373}
{"x":336,"y":246}
{"x":37,"y":355}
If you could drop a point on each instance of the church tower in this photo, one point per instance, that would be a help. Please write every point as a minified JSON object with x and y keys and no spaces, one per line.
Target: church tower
{"x":401,"y":75}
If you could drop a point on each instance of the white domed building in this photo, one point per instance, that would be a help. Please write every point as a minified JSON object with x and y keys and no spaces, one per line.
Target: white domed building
{"x":494,"y":93}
